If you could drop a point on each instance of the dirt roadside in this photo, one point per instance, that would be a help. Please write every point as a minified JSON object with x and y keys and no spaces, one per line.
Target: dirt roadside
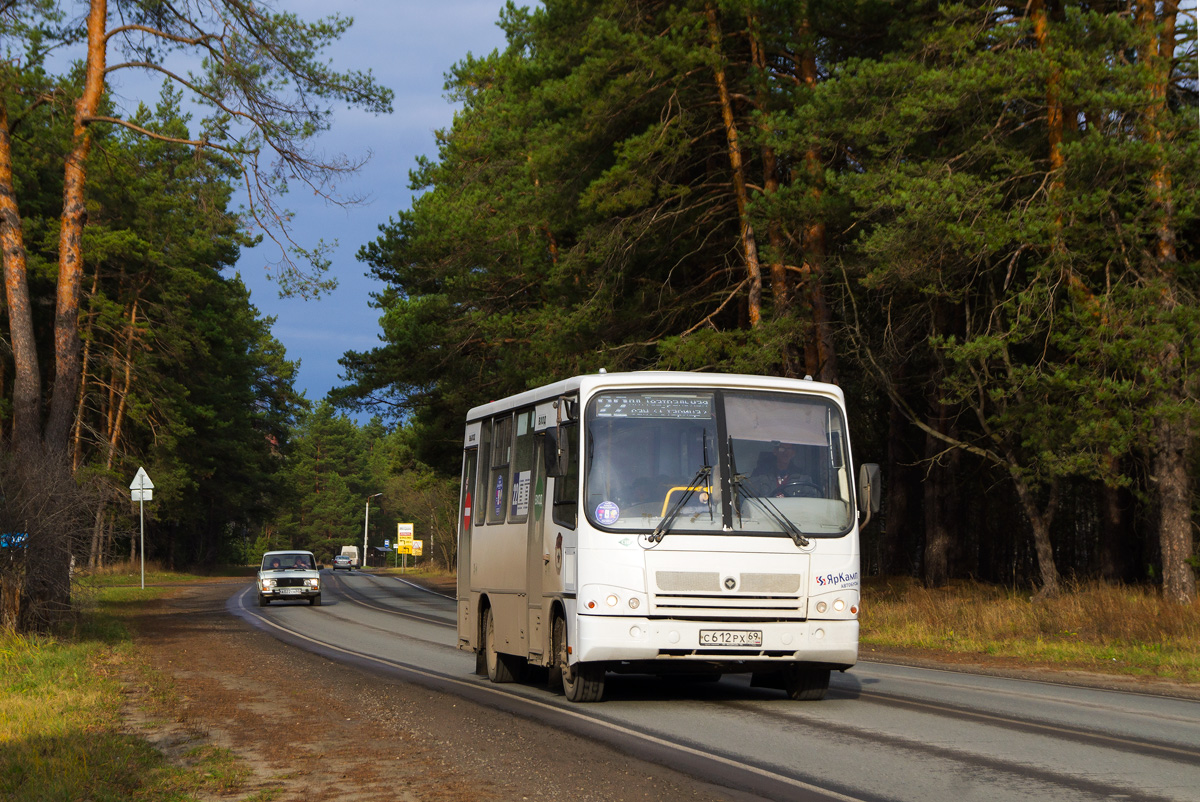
{"x":310,"y":728}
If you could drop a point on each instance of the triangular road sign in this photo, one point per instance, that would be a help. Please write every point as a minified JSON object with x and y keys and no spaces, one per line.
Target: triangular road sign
{"x":141,"y":481}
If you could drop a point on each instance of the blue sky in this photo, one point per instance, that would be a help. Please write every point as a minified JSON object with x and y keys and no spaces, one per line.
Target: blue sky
{"x":409,"y":46}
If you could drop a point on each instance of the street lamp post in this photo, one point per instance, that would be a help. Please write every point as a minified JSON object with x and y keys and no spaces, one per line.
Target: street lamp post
{"x":366,"y":520}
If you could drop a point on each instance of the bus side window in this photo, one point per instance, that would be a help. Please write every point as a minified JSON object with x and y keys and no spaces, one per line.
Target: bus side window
{"x":485,"y":457}
{"x":522,"y":473}
{"x":499,"y":481}
{"x":566,"y":487}
{"x":465,"y":503}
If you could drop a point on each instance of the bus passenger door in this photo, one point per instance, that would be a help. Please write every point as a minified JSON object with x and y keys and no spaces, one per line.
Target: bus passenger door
{"x":561,"y":516}
{"x":538,"y":643}
{"x":466,"y":625}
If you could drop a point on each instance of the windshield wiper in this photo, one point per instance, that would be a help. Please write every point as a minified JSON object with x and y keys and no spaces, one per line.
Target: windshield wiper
{"x":743,"y":490}
{"x":665,"y":524}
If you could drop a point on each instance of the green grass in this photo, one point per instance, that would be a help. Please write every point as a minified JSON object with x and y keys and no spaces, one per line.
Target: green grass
{"x":1093,"y":627}
{"x":130,"y":573}
{"x":61,"y":733}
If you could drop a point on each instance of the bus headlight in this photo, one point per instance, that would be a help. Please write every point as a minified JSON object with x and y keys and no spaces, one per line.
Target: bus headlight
{"x":611,"y":599}
{"x":841,"y":604}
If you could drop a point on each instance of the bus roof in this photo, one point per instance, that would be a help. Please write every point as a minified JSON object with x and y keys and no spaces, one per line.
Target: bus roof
{"x":587,"y":383}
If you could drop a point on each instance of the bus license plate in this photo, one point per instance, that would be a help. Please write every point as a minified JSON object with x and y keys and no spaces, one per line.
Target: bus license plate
{"x":731,"y":637}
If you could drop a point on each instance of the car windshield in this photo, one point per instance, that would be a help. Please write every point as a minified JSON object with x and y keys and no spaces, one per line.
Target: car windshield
{"x":286,"y":562}
{"x":780,"y":457}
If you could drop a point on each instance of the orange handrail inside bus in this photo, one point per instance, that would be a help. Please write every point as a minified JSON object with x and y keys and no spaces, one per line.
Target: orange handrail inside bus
{"x":667,"y":498}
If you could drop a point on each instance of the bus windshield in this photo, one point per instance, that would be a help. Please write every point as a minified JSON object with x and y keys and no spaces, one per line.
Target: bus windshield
{"x":718,"y":462}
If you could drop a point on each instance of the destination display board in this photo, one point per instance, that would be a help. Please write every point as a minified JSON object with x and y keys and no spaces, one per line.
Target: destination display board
{"x":690,"y":406}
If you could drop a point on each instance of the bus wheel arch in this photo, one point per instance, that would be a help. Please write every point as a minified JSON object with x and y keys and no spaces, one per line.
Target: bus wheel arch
{"x":581,"y":682}
{"x":500,"y":667}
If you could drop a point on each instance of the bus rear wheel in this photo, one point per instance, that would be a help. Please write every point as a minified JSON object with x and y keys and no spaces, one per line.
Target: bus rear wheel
{"x":582,"y":682}
{"x":500,"y":667}
{"x":805,"y":684}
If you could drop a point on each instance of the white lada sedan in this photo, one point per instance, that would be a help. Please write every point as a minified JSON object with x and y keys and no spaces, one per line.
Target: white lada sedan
{"x":287,"y":575}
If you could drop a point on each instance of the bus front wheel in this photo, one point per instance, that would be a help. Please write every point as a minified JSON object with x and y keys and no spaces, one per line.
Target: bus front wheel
{"x":582,"y":682}
{"x":805,"y":684}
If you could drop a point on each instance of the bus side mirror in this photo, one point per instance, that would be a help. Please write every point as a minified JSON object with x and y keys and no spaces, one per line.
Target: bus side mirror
{"x":870,"y":491}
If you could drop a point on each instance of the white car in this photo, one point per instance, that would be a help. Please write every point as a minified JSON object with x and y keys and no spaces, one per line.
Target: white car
{"x":343,"y":561}
{"x":288,"y":575}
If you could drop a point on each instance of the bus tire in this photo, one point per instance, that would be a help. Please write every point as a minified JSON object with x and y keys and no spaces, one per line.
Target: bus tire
{"x":558,"y":637}
{"x":805,"y":684}
{"x":582,"y":682}
{"x":500,"y":667}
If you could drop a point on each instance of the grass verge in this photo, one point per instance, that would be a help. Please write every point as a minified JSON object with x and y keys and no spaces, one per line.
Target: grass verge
{"x":1094,"y":627}
{"x":61,"y":729}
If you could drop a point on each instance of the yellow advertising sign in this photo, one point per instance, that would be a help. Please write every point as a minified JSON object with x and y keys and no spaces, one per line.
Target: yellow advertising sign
{"x":404,"y":539}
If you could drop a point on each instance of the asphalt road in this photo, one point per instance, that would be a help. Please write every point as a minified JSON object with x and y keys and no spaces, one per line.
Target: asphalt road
{"x":884,"y":732}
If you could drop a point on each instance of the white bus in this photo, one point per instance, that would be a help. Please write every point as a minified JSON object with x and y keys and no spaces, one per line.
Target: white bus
{"x":679,"y":524}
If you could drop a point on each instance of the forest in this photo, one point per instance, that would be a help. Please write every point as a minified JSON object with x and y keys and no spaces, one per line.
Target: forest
{"x":979,"y":219}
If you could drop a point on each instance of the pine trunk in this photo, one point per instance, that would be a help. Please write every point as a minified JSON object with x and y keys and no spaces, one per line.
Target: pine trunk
{"x":821,"y":354}
{"x":27,"y":379}
{"x":746,"y":232}
{"x":1173,"y":427}
{"x":67,"y":364}
{"x":1039,"y":522}
{"x":896,"y":548}
{"x":938,"y":486}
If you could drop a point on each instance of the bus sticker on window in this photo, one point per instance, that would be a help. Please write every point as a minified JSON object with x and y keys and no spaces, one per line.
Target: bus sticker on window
{"x":520,"y":498}
{"x":607,"y":513}
{"x":499,"y":496}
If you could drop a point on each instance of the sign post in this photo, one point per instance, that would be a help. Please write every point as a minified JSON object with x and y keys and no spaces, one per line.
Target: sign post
{"x":142,"y":490}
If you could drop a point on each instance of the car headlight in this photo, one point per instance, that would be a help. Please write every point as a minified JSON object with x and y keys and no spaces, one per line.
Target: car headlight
{"x":314,"y":582}
{"x":268,"y":584}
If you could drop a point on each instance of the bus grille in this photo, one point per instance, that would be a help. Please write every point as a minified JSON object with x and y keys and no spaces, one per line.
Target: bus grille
{"x":703,"y":595}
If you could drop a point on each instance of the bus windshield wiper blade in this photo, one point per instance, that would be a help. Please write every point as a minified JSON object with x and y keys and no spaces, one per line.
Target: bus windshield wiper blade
{"x":781,"y":520}
{"x":664,"y":525}
{"x":743,"y":490}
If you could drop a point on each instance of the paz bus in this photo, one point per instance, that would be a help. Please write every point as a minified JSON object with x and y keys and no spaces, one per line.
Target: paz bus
{"x":681,"y":524}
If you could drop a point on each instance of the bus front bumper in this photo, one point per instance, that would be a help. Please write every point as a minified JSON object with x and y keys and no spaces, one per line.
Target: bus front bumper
{"x":627,"y":638}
